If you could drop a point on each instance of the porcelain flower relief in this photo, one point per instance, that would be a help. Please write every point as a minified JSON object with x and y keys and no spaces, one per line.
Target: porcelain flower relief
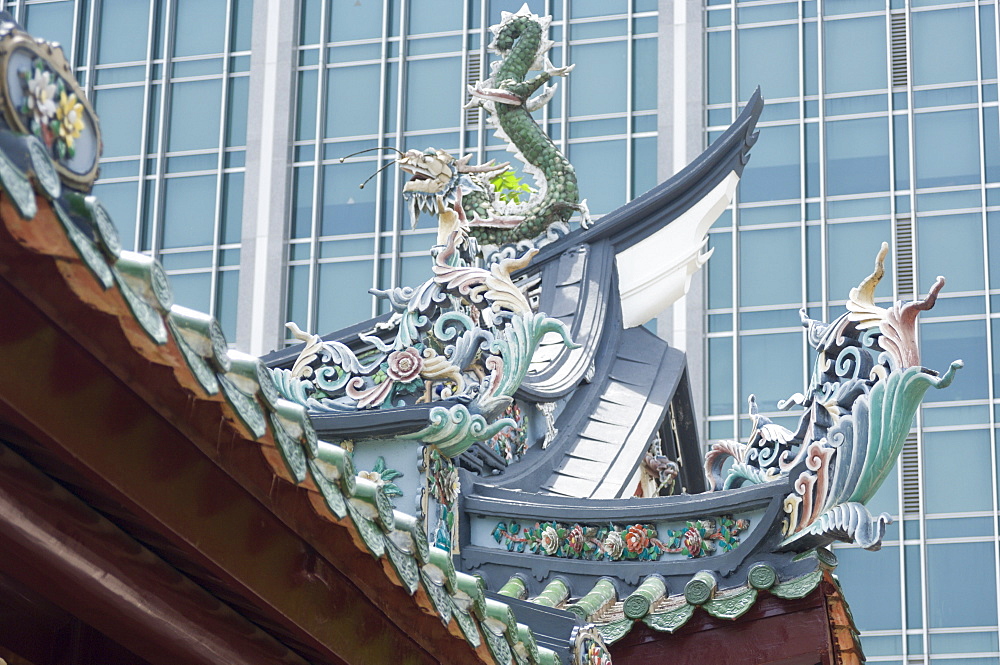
{"x":52,"y":113}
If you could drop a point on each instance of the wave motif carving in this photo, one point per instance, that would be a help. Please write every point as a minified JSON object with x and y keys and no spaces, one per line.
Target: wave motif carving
{"x":865,"y":389}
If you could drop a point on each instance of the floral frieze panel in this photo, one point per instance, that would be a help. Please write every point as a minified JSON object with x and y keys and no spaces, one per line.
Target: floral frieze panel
{"x":623,"y":542}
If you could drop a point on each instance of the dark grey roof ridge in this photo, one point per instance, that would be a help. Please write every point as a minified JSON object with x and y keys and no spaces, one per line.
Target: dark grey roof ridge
{"x":645,"y":214}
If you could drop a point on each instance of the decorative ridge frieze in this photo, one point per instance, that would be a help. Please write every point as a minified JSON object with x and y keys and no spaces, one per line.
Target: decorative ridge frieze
{"x":195,"y":344}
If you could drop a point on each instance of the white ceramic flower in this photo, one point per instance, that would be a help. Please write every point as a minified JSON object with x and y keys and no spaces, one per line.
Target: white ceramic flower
{"x":42,"y":96}
{"x":550,"y":540}
{"x":614,"y":545}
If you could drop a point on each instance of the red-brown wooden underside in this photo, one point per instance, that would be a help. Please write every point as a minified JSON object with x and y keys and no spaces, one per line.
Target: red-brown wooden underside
{"x":88,"y":399}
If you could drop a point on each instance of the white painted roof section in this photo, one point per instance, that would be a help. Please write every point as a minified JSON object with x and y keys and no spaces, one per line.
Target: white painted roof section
{"x":656,"y":272}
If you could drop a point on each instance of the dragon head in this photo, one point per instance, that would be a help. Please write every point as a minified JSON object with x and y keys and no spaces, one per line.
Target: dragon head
{"x":439,"y":179}
{"x":432,"y":170}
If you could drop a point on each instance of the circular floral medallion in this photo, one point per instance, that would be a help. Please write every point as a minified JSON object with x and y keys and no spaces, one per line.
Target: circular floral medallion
{"x":41,"y":97}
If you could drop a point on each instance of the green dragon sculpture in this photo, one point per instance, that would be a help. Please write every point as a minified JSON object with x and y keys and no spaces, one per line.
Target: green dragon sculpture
{"x":439,"y":180}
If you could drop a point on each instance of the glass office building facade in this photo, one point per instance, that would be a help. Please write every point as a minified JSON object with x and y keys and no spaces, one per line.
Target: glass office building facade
{"x":881,"y":125}
{"x":225,"y":120}
{"x":394,"y":74}
{"x":170,"y":82}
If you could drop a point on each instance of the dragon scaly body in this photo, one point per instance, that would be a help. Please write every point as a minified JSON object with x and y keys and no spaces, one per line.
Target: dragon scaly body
{"x":521,"y":41}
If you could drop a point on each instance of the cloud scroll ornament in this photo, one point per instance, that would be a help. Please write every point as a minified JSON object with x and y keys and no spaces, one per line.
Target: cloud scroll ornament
{"x":865,"y":389}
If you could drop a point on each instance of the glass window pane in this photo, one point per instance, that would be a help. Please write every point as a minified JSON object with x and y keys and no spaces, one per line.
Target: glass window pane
{"x":720,"y":271}
{"x":305,"y":107}
{"x":226,"y":302}
{"x":991,"y":143}
{"x":597,"y":84}
{"x":769,"y":57}
{"x":770,"y":267}
{"x":853,"y":248}
{"x":338,"y":307}
{"x":200,"y":27}
{"x":901,"y":150}
{"x":993,"y":245}
{"x":361,"y":19}
{"x":239,"y":94}
{"x":122,"y":17}
{"x":988,"y":35}
{"x":309,"y":21}
{"x":589,"y":8}
{"x":812,"y":159}
{"x":644,"y":72}
{"x":951,"y":245}
{"x":854,"y":54}
{"x":232,"y":208}
{"x":719,"y":67}
{"x":857,"y":156}
{"x":120,"y":111}
{"x":643,"y":165}
{"x":298,"y":295}
{"x":950,"y":604}
{"x":434,"y":93}
{"x":944,"y":46}
{"x":120,"y":200}
{"x":356,"y":113}
{"x":773,"y":170}
{"x":720,"y":376}
{"x":192,"y":290}
{"x":53,"y":22}
{"x":302,"y":211}
{"x":871,"y":580}
{"x":941,"y":343}
{"x":194,"y":115}
{"x":810,"y":58}
{"x":242,"y":25}
{"x":961,"y":454}
{"x":434,"y":16}
{"x":770,"y":368}
{"x":600,"y":170}
{"x":346,"y":207}
{"x":947,"y":148}
{"x":188,"y":212}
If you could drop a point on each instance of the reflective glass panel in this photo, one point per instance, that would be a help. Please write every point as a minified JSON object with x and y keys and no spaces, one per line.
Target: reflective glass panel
{"x":852,"y":248}
{"x":855,"y":54}
{"x":355,"y":113}
{"x":53,"y":22}
{"x":597,"y":85}
{"x":944,"y":46}
{"x":871,"y":580}
{"x":961,"y":454}
{"x":121,"y":120}
{"x":361,"y":19}
{"x":192,"y":290}
{"x":951,"y":245}
{"x":773,"y":171}
{"x":719,"y":67}
{"x":770,"y":368}
{"x":434,"y":93}
{"x":857,"y":156}
{"x":768,"y":57}
{"x":200,"y":27}
{"x":122,"y":17}
{"x":346,"y":208}
{"x":189,"y":212}
{"x":950,"y":603}
{"x":770,"y":267}
{"x":947,"y":148}
{"x":600,"y":170}
{"x":720,"y":375}
{"x":942,"y":343}
{"x":194,"y":115}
